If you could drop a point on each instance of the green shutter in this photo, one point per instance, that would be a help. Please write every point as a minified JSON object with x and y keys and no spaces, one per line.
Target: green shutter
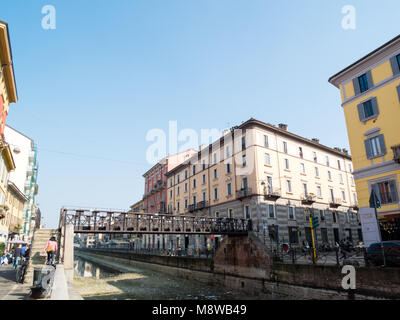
{"x":395,"y":65}
{"x":382,"y":143}
{"x":368,"y":148}
{"x":375,"y":106}
{"x":356,"y":85}
{"x":361,"y":113}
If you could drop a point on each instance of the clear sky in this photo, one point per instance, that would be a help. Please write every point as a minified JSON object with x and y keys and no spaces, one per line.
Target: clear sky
{"x":90,"y":90}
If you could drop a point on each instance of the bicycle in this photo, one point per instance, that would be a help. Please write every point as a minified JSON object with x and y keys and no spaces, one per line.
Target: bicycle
{"x":21,"y":271}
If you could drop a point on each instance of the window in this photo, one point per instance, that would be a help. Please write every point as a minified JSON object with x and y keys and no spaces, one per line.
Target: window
{"x":291,"y":213}
{"x":266,"y":144}
{"x":319,"y":191}
{"x":228,"y":152}
{"x":194,"y":201}
{"x":350,"y":168}
{"x":289,"y":185}
{"x":267,"y":159}
{"x":398,"y":60}
{"x":303,"y":168}
{"x":287,"y":164}
{"x":316,"y":172}
{"x":315,"y":156}
{"x":186,"y":174}
{"x":355,"y":198}
{"x":305,"y":189}
{"x":177,"y":206}
{"x":228,"y":168}
{"x":386,"y":191}
{"x":375,"y":147}
{"x":179,"y":180}
{"x":243,"y":143}
{"x":285,"y":150}
{"x":204,"y":178}
{"x":329,"y":175}
{"x":334,"y":217}
{"x":230,"y":213}
{"x":247,"y":213}
{"x":244,"y":160}
{"x":215,"y":174}
{"x":194,"y":170}
{"x":186,"y":204}
{"x":269,"y":185}
{"x":343,"y":196}
{"x":229,"y":187}
{"x":322,"y":215}
{"x":332,"y":195}
{"x":217,"y":214}
{"x":170,"y":193}
{"x":301,"y":152}
{"x":186,"y":189}
{"x":368,"y":109}
{"x":194,"y":183}
{"x":170,"y":183}
{"x":215,"y":158}
{"x":341,"y":178}
{"x":215,"y":193}
{"x":271,"y":211}
{"x":327,"y":161}
{"x":178,"y":191}
{"x":363,"y":83}
{"x":338,"y":165}
{"x":204,"y":165}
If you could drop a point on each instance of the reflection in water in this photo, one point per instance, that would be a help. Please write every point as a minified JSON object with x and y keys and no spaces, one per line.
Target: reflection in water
{"x":86,"y":269}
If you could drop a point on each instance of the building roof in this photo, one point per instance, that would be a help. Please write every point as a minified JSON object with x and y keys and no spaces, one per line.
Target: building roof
{"x":6,"y":58}
{"x":253,"y":122}
{"x":363,"y":59}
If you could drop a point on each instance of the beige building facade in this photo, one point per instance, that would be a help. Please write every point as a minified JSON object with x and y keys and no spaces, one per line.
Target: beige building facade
{"x":275,"y":178}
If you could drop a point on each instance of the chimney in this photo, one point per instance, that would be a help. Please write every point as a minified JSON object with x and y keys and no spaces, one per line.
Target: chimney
{"x":345,"y":151}
{"x":338,"y":149}
{"x":283,"y":126}
{"x":315,"y":140}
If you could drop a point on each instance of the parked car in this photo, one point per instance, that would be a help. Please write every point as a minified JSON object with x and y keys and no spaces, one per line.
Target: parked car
{"x":391,"y":251}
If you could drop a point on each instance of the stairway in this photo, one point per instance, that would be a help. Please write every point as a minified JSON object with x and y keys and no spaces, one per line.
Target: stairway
{"x":37,"y":256}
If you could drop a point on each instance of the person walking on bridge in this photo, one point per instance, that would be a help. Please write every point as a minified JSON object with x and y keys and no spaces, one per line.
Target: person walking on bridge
{"x":51,"y":250}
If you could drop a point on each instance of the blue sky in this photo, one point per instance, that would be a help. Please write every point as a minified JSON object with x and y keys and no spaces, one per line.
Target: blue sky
{"x":90,"y":90}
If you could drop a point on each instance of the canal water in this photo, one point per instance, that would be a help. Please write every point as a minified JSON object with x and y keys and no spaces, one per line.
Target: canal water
{"x":96,"y":282}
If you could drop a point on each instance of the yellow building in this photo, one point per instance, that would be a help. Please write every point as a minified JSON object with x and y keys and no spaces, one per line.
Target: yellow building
{"x":138,"y":207}
{"x":14,"y":217}
{"x":370,"y":92}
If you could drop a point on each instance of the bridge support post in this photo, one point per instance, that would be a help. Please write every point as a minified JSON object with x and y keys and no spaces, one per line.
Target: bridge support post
{"x":69,"y":247}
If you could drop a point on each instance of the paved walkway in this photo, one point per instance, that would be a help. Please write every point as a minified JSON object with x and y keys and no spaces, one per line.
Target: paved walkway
{"x":9,"y":288}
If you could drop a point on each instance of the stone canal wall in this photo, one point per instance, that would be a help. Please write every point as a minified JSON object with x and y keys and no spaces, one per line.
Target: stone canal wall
{"x":241,"y":263}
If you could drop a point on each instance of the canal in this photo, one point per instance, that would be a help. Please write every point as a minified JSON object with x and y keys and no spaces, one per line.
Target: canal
{"x":96,"y":282}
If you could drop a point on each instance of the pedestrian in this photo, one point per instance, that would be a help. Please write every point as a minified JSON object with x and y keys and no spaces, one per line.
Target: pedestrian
{"x":16,"y":256}
{"x":23,"y":249}
{"x":51,"y":250}
{"x":27,"y":251}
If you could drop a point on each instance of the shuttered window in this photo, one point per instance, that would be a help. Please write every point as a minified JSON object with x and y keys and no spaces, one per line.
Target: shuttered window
{"x":375,"y":147}
{"x":368,"y":109}
{"x":363,"y":83}
{"x":395,"y":63}
{"x":386,"y":191}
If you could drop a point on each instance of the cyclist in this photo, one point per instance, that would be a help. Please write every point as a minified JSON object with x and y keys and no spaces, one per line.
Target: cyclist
{"x":51,"y":250}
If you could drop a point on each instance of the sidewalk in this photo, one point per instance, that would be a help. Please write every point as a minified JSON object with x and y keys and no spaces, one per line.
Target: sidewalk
{"x":9,"y":288}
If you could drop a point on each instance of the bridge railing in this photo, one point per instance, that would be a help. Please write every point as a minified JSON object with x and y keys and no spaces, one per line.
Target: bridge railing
{"x":96,"y":221}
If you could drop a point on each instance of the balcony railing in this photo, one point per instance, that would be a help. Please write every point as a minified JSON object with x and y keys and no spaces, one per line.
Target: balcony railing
{"x":244,"y":193}
{"x":308,"y":199}
{"x":198,"y":206}
{"x":272,"y":194}
{"x":396,"y":153}
{"x":336,"y":203}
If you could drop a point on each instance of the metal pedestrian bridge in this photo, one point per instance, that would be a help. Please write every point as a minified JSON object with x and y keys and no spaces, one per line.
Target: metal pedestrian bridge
{"x":120,"y":222}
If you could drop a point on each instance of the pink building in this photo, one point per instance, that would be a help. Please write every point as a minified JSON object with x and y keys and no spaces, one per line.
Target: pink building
{"x":155,"y":188}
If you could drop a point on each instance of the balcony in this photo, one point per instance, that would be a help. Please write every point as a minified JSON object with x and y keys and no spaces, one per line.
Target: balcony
{"x":272,"y":195}
{"x":308,"y":199}
{"x":244,"y":193}
{"x":396,"y":153}
{"x":198,"y":206}
{"x":335,"y":203}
